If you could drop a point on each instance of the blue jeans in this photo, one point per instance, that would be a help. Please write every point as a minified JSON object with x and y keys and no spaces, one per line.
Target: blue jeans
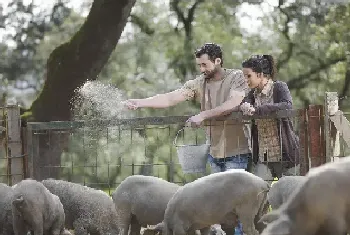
{"x":223,"y":164}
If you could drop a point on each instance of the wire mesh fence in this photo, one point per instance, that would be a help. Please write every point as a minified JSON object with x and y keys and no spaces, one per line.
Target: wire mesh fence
{"x":101,"y":153}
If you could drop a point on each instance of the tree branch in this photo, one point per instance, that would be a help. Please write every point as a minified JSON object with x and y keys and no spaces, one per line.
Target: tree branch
{"x":301,"y":80}
{"x":285,"y":33}
{"x":190,"y":15}
{"x":185,"y":65}
{"x":176,"y":8}
{"x":190,"y":18}
{"x":145,"y":28}
{"x":187,"y":21}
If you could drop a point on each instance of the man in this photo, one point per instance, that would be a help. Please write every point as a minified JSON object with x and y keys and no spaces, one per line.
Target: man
{"x":224,"y":90}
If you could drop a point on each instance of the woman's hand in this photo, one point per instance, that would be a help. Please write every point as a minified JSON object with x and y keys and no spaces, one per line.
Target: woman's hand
{"x":247,"y":109}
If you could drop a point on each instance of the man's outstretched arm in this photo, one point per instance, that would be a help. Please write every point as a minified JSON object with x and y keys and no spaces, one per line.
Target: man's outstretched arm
{"x":158,"y":101}
{"x":186,"y":92}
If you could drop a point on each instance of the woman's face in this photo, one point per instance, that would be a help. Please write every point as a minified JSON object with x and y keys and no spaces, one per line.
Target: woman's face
{"x":253,"y":78}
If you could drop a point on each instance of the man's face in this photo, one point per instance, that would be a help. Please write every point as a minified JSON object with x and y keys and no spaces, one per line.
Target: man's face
{"x":208,"y":67}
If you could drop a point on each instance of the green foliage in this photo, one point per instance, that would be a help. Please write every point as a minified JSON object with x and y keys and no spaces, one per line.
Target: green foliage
{"x":25,"y":26}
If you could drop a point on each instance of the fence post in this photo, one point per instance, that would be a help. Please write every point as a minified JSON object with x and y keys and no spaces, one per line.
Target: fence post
{"x":24,"y":149}
{"x":14,"y":143}
{"x":316,"y":135}
{"x":331,"y":107}
{"x":304,"y":142}
{"x":31,"y":146}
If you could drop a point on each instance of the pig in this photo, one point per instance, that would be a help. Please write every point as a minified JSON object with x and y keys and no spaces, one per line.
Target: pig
{"x":282,"y":189}
{"x":215,"y":199}
{"x":35,"y":209}
{"x":6,"y":210}
{"x":321,"y":205}
{"x":141,"y":201}
{"x":87,"y":210}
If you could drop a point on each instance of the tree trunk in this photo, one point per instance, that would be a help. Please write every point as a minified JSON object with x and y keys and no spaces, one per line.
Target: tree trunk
{"x":69,"y":66}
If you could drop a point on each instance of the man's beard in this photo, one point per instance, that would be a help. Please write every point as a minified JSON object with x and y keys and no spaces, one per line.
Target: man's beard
{"x":210,"y":74}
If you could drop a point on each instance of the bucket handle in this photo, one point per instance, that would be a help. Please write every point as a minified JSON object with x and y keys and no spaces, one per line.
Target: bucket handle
{"x":177,"y":134}
{"x":174,"y":142}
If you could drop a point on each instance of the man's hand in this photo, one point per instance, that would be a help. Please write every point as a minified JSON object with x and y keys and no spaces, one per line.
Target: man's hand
{"x":196,"y":119}
{"x":132,"y":104}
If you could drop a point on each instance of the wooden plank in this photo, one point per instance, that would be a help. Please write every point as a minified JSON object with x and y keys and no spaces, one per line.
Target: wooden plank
{"x":330,"y":132}
{"x":30,"y":147}
{"x":316,"y":137}
{"x":15,"y":143}
{"x":343,"y":126}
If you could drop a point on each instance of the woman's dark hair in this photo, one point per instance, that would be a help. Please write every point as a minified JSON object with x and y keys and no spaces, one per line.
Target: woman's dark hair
{"x":212,"y":50}
{"x":264,"y":64}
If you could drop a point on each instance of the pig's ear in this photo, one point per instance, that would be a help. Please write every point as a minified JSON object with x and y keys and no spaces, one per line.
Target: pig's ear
{"x":18,"y":202}
{"x":66,"y":232}
{"x":159,"y":227}
{"x":269,"y":217}
{"x":283,"y":226}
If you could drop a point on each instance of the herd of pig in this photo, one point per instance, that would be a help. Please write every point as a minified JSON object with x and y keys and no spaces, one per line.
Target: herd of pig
{"x":315,"y":204}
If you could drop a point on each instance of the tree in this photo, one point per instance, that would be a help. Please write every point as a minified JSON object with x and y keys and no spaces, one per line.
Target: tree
{"x":336,"y":31}
{"x":70,"y":65}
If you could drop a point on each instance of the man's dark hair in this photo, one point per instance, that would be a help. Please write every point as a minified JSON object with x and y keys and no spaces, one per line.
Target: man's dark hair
{"x":212,"y":50}
{"x":264,"y":64}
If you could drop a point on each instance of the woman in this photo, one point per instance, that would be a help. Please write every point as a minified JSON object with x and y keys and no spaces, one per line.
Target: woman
{"x":273,"y":140}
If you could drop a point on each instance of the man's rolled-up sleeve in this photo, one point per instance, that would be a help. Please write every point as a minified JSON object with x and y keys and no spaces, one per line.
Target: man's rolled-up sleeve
{"x":239,"y":86}
{"x":190,"y":89}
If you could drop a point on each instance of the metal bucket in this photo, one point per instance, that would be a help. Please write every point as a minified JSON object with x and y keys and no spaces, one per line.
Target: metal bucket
{"x":192,"y":158}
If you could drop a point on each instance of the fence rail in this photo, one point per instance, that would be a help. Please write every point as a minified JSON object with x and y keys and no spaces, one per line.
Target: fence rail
{"x":165,"y":120}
